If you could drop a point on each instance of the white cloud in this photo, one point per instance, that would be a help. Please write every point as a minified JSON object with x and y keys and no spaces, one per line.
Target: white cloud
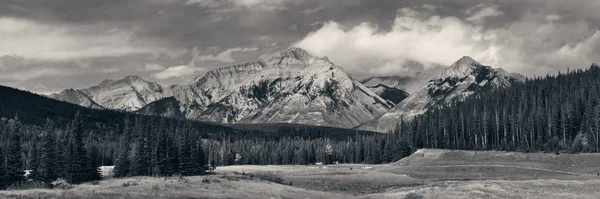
{"x":110,"y":70}
{"x":26,"y":75}
{"x":225,"y":56}
{"x":153,"y":67}
{"x":482,"y":14}
{"x":204,"y":3}
{"x":177,"y":71}
{"x":60,"y":42}
{"x":83,"y":63}
{"x":530,"y":45}
{"x":264,"y":5}
{"x":312,"y":10}
{"x":431,"y":41}
{"x":429,"y":7}
{"x":553,"y":17}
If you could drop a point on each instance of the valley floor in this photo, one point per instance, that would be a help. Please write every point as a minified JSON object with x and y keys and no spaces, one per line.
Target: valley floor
{"x":425,"y":174}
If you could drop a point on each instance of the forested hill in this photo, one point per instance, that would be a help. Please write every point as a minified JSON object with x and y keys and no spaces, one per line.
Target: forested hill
{"x":552,"y":113}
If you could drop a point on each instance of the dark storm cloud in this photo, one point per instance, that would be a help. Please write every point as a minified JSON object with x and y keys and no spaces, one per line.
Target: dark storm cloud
{"x":118,"y":38}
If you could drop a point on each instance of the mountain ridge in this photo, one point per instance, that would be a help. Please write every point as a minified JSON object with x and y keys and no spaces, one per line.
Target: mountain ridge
{"x":290,"y":86}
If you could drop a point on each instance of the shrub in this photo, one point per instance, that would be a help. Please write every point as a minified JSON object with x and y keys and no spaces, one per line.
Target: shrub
{"x":271,"y":177}
{"x":413,"y":196}
{"x":126,"y":184}
{"x":32,"y":184}
{"x":61,"y":184}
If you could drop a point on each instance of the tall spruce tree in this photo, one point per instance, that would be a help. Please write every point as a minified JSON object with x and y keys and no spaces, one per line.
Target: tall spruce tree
{"x":13,"y":167}
{"x":48,"y":160}
{"x":200,"y":159}
{"x":82,"y":169}
{"x":34,"y":160}
{"x":122,"y":163}
{"x":2,"y":159}
{"x":185,"y":160}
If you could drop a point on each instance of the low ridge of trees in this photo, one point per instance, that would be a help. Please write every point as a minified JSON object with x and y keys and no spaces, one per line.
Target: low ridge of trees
{"x":552,"y":114}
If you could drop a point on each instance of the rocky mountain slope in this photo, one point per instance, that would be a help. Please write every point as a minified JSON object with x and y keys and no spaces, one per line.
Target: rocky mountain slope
{"x":288,"y":87}
{"x":463,"y":78}
{"x":128,"y":94}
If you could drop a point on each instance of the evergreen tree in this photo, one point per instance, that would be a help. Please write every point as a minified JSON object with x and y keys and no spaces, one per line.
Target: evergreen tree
{"x":63,"y":150}
{"x":48,"y":161}
{"x":140,"y":158}
{"x":82,"y":168}
{"x":200,"y":159}
{"x":34,"y":161}
{"x":13,"y":167}
{"x":185,"y":153}
{"x":122,"y":164}
{"x":2,"y":161}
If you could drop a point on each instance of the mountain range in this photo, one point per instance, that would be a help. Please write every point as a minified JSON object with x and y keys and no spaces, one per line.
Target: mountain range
{"x":293,"y":86}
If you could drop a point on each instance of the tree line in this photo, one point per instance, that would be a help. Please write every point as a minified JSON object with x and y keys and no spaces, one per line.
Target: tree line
{"x":555,"y":113}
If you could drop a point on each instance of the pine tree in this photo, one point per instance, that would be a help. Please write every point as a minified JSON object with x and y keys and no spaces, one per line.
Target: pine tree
{"x":82,"y":169}
{"x":2,"y":161}
{"x":140,"y":158}
{"x":47,"y":163}
{"x":13,"y":171}
{"x":200,"y":159}
{"x":172,"y":158}
{"x":63,"y":150}
{"x":160,"y":154}
{"x":34,"y":161}
{"x":122,"y":163}
{"x":185,"y":161}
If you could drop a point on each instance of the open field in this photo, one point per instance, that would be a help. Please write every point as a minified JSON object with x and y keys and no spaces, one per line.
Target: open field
{"x":426,"y":174}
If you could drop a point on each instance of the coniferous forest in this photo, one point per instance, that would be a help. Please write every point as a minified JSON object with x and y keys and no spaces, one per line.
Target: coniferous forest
{"x":168,"y":147}
{"x":558,"y":113}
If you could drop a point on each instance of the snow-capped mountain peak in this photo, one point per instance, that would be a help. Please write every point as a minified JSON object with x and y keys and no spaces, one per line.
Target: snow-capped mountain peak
{"x":464,"y":62}
{"x":461,"y":79}
{"x":294,"y":57}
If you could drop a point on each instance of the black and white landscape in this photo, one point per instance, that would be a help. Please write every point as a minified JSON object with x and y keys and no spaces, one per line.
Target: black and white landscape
{"x":299,"y":99}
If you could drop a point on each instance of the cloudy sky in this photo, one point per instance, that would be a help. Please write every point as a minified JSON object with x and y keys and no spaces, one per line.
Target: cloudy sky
{"x":50,"y":45}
